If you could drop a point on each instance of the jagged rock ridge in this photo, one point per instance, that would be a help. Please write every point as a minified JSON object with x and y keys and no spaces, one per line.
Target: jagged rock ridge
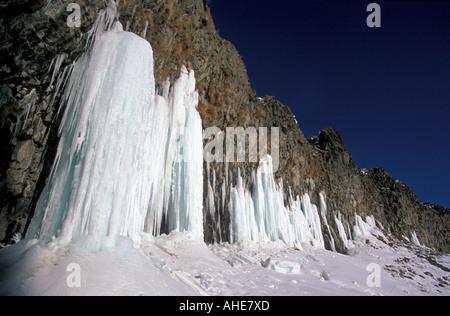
{"x":34,"y":34}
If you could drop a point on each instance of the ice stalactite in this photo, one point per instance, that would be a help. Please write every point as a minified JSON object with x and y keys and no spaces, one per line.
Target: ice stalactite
{"x":363,"y":229}
{"x":324,"y":214}
{"x":127,"y":160}
{"x":415,"y":239}
{"x":260,"y":215}
{"x":177,"y":184}
{"x":344,"y":233}
{"x":56,"y":65}
{"x":29,"y":103}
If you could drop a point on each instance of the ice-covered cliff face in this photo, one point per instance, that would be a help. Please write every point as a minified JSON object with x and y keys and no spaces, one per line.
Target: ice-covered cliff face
{"x":181,"y":32}
{"x":129,"y":161}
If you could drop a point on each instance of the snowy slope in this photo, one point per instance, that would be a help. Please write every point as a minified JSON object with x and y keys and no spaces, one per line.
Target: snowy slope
{"x":177,"y":265}
{"x":272,"y":269}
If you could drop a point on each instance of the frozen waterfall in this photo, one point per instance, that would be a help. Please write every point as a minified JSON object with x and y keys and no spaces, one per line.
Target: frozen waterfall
{"x":129,"y":161}
{"x":262,"y":216}
{"x":177,"y":180}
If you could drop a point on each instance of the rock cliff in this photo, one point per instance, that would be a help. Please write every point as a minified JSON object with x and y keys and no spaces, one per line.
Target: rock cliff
{"x":37,"y":46}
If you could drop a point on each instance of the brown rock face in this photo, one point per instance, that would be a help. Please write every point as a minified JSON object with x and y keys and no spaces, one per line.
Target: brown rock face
{"x":32,"y":36}
{"x":181,"y":32}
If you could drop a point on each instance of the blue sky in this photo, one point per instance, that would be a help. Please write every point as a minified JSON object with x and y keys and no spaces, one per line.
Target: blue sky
{"x":386,"y":90}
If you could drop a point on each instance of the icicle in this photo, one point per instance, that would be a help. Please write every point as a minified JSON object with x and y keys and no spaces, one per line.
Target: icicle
{"x":414,"y":239}
{"x":61,"y":83}
{"x":30,"y":101}
{"x":324,"y":214}
{"x":144,"y":32}
{"x":342,"y":231}
{"x":47,"y":5}
{"x":52,"y":63}
{"x":103,"y":22}
{"x":57,"y":66}
{"x":30,"y":105}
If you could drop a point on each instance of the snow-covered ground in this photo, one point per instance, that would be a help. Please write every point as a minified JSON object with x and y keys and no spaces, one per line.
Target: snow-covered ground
{"x":177,"y":265}
{"x":271,"y":269}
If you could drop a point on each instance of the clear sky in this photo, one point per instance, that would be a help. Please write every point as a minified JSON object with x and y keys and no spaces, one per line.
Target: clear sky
{"x":386,"y":90}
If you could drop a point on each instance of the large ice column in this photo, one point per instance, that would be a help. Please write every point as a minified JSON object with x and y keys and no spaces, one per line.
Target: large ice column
{"x":159,"y":134}
{"x":129,"y":160}
{"x":243,"y":222}
{"x":177,"y":184}
{"x":99,"y":186}
{"x":184,"y":161}
{"x":266,"y":201}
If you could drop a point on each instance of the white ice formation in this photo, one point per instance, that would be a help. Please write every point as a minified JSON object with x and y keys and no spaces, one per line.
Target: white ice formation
{"x":262,"y":216}
{"x":128,"y":160}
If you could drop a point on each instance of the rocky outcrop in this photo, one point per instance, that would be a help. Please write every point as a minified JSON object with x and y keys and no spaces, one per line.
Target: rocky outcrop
{"x":33,"y":35}
{"x":36,"y":46}
{"x":351,"y":191}
{"x":403,"y":212}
